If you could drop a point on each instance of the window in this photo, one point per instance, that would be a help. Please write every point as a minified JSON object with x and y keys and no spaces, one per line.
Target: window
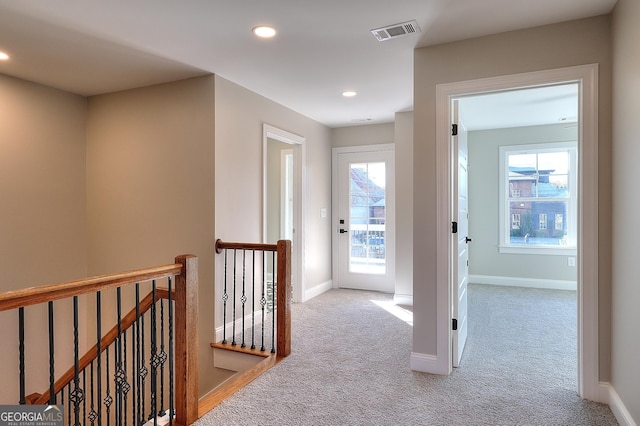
{"x":538,"y":182}
{"x":559,"y":221}
{"x":515,"y":221}
{"x":542,"y":220}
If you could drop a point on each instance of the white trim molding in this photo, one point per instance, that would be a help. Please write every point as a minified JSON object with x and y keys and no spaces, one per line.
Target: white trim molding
{"x":587,"y":247}
{"x":619,"y":410}
{"x":317,"y":290}
{"x":257,"y":320}
{"x":298,"y":144}
{"x":523,"y":282}
{"x":403,"y":299}
{"x":426,"y":363}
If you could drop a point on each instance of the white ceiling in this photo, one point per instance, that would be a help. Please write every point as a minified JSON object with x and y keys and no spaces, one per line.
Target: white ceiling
{"x":322,"y":48}
{"x":520,"y":108}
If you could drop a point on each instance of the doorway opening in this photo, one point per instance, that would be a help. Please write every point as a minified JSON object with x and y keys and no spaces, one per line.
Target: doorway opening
{"x":522,"y":214}
{"x":283,"y":198}
{"x":587,"y":228}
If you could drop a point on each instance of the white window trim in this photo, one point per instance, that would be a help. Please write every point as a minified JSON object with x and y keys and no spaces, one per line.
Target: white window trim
{"x":505,"y":225}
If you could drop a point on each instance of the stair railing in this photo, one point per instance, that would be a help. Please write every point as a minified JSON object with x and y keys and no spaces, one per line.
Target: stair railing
{"x":256,"y":296}
{"x":182,"y":357}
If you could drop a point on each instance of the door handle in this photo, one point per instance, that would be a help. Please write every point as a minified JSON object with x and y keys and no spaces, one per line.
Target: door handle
{"x":467,"y":240}
{"x":343,"y":231}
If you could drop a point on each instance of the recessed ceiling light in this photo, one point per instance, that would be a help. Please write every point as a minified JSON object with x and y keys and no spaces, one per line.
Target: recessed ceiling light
{"x":349,"y":93}
{"x":264,"y":31}
{"x":3,"y":56}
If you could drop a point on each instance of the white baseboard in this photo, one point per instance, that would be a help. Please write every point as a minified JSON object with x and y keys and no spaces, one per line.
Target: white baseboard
{"x":403,"y":299}
{"x":317,"y":290}
{"x":426,"y":363}
{"x":604,"y":389}
{"x":257,"y":318}
{"x":523,"y":282}
{"x":618,"y":408}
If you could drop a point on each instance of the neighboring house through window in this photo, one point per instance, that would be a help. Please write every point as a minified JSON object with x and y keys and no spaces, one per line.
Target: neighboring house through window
{"x":538,"y":182}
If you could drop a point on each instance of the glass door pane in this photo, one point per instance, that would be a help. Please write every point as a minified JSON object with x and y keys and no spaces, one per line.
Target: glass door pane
{"x":367,"y":218}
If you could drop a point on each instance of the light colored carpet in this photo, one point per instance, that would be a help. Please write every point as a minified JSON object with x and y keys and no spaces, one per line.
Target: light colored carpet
{"x":350,"y":366}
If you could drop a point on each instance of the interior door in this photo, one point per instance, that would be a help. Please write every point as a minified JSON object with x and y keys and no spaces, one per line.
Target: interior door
{"x":460,"y":267}
{"x":365,"y":224}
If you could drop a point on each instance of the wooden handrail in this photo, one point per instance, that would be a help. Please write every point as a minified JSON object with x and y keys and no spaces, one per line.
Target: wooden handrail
{"x":110,"y":337}
{"x":46,"y":293}
{"x":221,"y":245}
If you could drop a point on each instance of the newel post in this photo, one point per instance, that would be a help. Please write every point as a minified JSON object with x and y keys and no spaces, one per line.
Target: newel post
{"x":284,"y":298}
{"x":186,"y":344}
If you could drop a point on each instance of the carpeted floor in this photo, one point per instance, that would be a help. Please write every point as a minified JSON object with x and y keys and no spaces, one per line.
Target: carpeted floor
{"x":350,"y":366}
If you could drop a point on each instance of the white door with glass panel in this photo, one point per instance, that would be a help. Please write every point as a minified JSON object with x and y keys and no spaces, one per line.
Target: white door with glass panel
{"x":365,"y":221}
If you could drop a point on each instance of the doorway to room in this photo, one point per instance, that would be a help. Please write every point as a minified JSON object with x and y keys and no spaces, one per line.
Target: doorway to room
{"x":587,"y":228}
{"x":520,"y":204}
{"x":283,"y":198}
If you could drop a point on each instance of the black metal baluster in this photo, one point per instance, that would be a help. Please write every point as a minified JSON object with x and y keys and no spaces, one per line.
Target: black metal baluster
{"x":163,"y":359}
{"x":118,"y":376}
{"x":125,"y":385}
{"x":243,"y":298}
{"x":70,"y":402}
{"x":263,"y":300}
{"x":99,"y":354}
{"x":138,"y":377}
{"x":77,"y":396}
{"x":92,"y":411}
{"x":22,"y":396}
{"x":108,"y":400}
{"x":171,"y":410}
{"x":253,"y":299}
{"x":154,"y":361}
{"x":84,"y":400}
{"x":233,"y":325}
{"x":225,"y":297}
{"x":143,"y":371}
{"x":274,"y":285}
{"x":52,"y":376}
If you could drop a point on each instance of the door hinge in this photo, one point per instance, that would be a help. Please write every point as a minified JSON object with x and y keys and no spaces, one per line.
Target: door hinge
{"x":454,"y":130}
{"x":454,"y":324}
{"x":454,"y":227}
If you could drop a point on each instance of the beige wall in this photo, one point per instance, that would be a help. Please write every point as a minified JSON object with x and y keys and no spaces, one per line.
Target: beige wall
{"x":240,"y":115}
{"x":43,"y":234}
{"x":404,"y":206}
{"x":567,"y":44}
{"x":42,"y":185}
{"x":366,"y":134}
{"x":150,"y":185}
{"x":625,"y":375}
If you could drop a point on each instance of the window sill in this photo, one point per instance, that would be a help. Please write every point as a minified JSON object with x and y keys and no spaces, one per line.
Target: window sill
{"x":546,"y":250}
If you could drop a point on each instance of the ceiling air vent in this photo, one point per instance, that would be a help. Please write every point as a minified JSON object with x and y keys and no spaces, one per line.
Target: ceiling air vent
{"x":397,"y":30}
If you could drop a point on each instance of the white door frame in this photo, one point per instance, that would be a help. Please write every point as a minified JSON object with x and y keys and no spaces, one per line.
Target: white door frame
{"x":299,"y":158}
{"x":335,"y":202}
{"x":587,"y":250}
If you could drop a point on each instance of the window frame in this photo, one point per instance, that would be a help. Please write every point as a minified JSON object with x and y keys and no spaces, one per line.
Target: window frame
{"x":505,"y":216}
